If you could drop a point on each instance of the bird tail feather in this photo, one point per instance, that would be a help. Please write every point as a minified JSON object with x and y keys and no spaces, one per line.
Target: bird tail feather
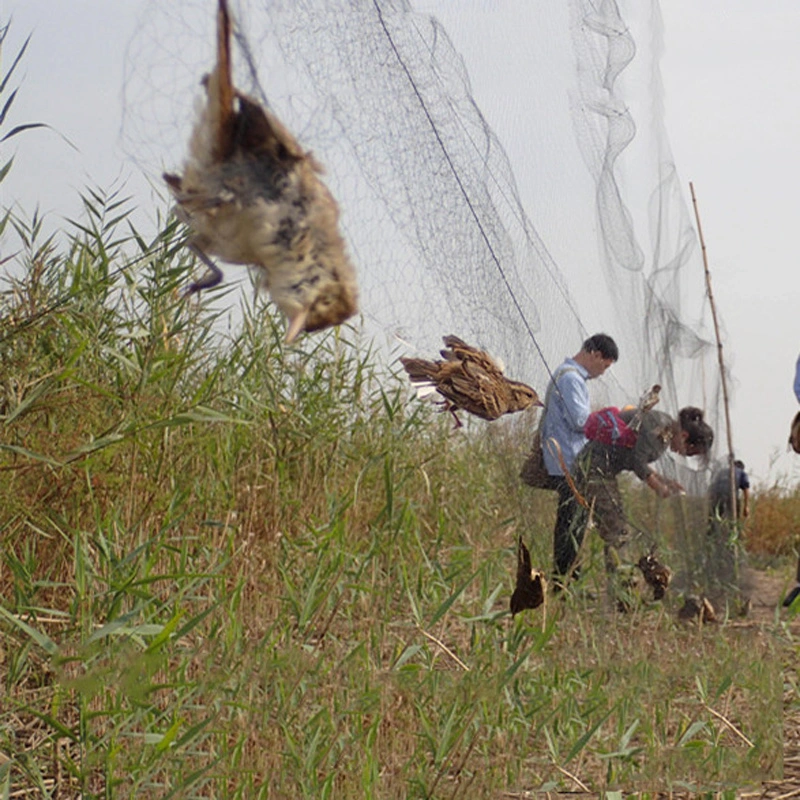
{"x":418,"y":369}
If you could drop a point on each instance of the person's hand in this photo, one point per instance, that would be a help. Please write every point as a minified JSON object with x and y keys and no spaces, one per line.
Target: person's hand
{"x":673,"y":486}
{"x":662,"y":486}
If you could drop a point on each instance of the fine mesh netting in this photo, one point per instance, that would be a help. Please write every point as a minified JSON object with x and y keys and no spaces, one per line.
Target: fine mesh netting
{"x":432,"y":211}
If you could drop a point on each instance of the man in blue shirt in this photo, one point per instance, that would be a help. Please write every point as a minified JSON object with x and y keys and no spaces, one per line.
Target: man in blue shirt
{"x":566,"y":410}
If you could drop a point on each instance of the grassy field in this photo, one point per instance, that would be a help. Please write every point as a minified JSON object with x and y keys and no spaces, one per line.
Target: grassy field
{"x":230,"y":569}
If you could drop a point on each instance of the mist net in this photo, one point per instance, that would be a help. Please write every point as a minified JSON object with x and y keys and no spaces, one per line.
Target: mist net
{"x":503,"y":174}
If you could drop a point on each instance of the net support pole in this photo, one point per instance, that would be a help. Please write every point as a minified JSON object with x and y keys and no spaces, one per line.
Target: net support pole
{"x":726,"y":405}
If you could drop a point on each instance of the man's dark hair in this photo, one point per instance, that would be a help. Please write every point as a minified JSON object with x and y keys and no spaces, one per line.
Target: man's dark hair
{"x":602,"y":343}
{"x":738,"y":463}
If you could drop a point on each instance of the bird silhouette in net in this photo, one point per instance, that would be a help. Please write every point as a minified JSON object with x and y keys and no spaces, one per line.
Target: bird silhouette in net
{"x":251,"y":195}
{"x":697,"y":609}
{"x":655,"y":574}
{"x":470,"y":380}
{"x":530,"y":588}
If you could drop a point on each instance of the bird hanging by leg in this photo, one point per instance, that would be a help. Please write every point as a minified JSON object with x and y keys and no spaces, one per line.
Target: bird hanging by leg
{"x":251,"y":195}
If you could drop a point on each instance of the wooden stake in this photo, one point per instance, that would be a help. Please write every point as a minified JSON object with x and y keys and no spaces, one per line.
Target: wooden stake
{"x":726,"y":405}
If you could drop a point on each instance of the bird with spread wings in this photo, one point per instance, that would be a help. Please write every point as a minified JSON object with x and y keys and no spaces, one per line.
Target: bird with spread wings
{"x":469,"y":379}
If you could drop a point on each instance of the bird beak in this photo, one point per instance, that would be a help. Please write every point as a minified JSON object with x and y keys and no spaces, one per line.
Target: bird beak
{"x":296,"y":325}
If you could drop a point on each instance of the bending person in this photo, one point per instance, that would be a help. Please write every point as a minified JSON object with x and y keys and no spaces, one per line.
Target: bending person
{"x":599,"y":465}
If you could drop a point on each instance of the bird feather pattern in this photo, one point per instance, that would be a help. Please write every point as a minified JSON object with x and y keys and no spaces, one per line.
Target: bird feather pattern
{"x":469,"y":379}
{"x":253,"y":196}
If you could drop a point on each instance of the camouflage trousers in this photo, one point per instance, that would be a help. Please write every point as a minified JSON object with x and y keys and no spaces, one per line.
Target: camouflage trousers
{"x":605,"y":500}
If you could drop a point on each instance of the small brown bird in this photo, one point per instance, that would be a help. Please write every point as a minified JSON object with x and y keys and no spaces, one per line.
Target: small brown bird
{"x":529,"y":591}
{"x":655,"y":574}
{"x":253,"y":196}
{"x":650,"y":398}
{"x":646,"y":402}
{"x":469,"y":379}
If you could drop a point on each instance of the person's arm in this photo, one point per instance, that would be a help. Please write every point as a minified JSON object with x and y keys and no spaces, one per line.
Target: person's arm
{"x":658,"y":485}
{"x":745,"y":503}
{"x":575,"y":396}
{"x":649,"y":446}
{"x":664,"y":487}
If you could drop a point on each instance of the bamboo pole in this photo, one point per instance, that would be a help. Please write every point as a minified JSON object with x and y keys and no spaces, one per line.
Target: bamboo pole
{"x":720,"y":359}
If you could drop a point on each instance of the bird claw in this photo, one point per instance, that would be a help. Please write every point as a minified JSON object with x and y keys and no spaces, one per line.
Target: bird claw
{"x":213,"y":276}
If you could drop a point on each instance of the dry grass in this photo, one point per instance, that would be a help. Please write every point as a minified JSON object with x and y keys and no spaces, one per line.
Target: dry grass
{"x":775,"y":522}
{"x":231,"y":570}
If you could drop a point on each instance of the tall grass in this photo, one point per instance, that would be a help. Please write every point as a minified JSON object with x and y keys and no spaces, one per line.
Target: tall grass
{"x":234,"y":569}
{"x":774,"y":529}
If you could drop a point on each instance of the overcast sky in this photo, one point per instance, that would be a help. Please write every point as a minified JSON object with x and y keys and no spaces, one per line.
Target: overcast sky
{"x":731,"y":74}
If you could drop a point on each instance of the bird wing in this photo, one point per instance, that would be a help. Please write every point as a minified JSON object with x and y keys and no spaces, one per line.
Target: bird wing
{"x":219,"y":86}
{"x":460,"y":349}
{"x":523,"y":563}
{"x":235,"y":122}
{"x":650,"y":398}
{"x":530,"y":585}
{"x":453,"y":343}
{"x":484,"y":395}
{"x":468,"y":378}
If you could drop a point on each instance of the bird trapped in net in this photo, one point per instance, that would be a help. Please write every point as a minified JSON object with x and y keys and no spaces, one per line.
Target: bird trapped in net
{"x":470,"y":380}
{"x":656,"y":575}
{"x":251,"y":195}
{"x":530,"y":588}
{"x":697,"y":609}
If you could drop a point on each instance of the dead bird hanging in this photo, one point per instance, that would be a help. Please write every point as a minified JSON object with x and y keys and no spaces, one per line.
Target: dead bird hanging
{"x":251,"y":195}
{"x":469,"y":379}
{"x":530,"y":587}
{"x":655,"y":574}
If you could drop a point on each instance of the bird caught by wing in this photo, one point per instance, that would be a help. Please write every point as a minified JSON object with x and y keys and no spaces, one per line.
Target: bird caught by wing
{"x":655,"y":574}
{"x":650,"y":398}
{"x":647,"y":402}
{"x":471,"y":380}
{"x":251,"y":195}
{"x":530,"y":588}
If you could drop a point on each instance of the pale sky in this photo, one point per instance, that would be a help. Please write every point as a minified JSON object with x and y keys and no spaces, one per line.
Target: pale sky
{"x":731,"y":75}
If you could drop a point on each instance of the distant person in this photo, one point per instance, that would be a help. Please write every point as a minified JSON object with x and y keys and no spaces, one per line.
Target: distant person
{"x":598,"y":465}
{"x":566,"y":411}
{"x":792,"y":596}
{"x":719,"y":493}
{"x":724,"y":554}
